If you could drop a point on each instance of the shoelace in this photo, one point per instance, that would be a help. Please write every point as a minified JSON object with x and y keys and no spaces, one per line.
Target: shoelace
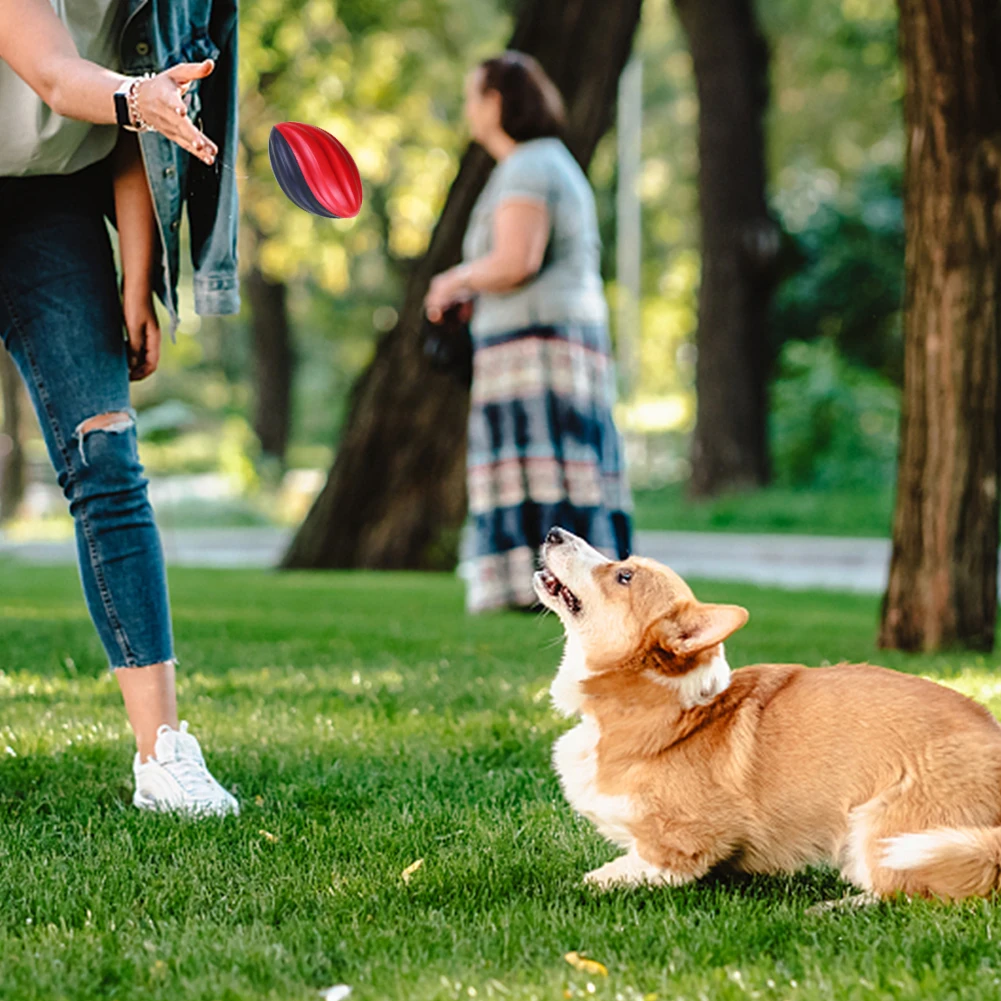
{"x":193,"y":777}
{"x":188,"y":767}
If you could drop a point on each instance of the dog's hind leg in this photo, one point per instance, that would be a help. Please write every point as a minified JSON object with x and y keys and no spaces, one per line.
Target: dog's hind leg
{"x":852,"y":902}
{"x":861,"y":851}
{"x":911,"y":840}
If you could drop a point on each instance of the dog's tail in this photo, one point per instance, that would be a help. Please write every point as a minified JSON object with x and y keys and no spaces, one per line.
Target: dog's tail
{"x":948,"y":862}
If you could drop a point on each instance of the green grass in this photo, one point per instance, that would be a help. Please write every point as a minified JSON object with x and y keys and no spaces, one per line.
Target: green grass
{"x":774,"y":509}
{"x":366,"y":723}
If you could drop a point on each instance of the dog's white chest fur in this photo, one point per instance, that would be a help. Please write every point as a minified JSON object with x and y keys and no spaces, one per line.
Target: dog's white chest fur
{"x":575,"y":757}
{"x":575,"y":754}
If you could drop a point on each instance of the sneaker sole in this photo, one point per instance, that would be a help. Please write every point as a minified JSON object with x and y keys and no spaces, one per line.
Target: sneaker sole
{"x":141,"y":802}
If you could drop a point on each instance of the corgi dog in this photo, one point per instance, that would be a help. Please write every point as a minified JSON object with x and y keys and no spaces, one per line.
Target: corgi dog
{"x":687,"y":765}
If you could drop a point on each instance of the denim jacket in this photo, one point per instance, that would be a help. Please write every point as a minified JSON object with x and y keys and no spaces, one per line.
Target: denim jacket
{"x":157,"y":35}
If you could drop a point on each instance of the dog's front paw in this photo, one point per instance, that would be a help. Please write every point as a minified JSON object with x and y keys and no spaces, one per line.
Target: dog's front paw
{"x":631,"y":870}
{"x":606,"y":876}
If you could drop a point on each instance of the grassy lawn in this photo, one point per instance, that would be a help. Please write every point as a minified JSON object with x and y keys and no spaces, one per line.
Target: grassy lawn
{"x":365,"y":724}
{"x":775,"y":509}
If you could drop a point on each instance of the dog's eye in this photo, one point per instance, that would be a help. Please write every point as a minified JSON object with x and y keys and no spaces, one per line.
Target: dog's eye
{"x":624,"y":576}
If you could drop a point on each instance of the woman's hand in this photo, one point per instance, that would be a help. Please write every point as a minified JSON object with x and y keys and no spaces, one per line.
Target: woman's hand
{"x":143,"y":347}
{"x":161,"y":104}
{"x":445,"y":290}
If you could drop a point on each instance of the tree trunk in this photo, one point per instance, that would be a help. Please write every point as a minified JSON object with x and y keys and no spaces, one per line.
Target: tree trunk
{"x":12,"y":471}
{"x":396,"y":497}
{"x":943,"y":572}
{"x":740,"y":246}
{"x":273,"y":362}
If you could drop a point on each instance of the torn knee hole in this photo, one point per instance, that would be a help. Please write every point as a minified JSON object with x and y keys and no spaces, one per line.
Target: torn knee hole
{"x":116,"y":420}
{"x":113,"y":422}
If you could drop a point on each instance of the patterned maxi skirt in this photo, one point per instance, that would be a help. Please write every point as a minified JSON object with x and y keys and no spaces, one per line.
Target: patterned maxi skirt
{"x":543,"y":452}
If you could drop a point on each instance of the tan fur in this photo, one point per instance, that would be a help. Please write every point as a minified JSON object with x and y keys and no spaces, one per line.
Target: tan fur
{"x":893,"y":778}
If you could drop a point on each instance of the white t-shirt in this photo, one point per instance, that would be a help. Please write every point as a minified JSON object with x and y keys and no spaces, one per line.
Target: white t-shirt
{"x":33,"y":138}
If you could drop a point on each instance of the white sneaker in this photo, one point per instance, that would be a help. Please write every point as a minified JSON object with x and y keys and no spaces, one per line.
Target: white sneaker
{"x":177,"y":779}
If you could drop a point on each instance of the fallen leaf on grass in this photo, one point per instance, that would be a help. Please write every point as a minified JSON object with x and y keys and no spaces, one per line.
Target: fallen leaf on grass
{"x":579,"y":962}
{"x":335,"y":993}
{"x":411,"y":869}
{"x":268,"y":836}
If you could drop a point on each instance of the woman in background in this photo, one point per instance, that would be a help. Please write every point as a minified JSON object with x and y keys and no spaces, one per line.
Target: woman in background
{"x":543,"y":448}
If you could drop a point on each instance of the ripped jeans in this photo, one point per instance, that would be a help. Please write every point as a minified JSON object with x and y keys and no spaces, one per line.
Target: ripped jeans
{"x":61,"y":320}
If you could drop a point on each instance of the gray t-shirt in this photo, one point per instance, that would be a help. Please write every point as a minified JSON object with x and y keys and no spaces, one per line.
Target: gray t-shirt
{"x":568,"y":288}
{"x":33,"y":138}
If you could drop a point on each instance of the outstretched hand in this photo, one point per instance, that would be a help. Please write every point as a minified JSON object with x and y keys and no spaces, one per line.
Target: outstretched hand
{"x":161,"y":104}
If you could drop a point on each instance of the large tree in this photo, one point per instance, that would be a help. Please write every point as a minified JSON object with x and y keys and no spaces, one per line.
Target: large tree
{"x":274,"y":359}
{"x":740,"y":246}
{"x":395,"y":497}
{"x":943,"y":573}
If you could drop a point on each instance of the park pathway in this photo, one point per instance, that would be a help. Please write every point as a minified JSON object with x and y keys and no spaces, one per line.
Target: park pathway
{"x":792,"y":561}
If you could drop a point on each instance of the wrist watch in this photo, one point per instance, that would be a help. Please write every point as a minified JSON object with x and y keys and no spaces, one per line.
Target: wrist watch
{"x":122,"y":113}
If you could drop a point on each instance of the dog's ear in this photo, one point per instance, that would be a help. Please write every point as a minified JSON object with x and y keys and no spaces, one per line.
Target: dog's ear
{"x":695,"y":627}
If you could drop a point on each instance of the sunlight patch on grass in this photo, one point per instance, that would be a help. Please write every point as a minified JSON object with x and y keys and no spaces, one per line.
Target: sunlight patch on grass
{"x":980,"y":683}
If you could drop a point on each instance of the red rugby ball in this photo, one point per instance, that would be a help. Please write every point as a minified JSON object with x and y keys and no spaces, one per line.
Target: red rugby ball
{"x":315,"y":170}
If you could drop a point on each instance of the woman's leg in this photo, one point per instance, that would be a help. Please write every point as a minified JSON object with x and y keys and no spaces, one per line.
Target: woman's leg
{"x":61,"y":320}
{"x":150,"y":701}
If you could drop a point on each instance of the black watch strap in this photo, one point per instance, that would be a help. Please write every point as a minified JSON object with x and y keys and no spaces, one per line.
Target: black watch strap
{"x":122,"y":104}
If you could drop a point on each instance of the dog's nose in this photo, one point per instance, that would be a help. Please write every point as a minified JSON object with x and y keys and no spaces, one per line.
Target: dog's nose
{"x":555,"y":536}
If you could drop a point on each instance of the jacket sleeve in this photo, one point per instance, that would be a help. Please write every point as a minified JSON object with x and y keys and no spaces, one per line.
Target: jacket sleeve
{"x":213,"y":209}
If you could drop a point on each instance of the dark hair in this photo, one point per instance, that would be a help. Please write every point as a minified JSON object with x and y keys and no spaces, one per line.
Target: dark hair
{"x":531,"y":105}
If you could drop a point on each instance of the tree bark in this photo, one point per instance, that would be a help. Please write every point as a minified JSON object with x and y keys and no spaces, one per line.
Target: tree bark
{"x":395,"y":497}
{"x":943,"y":571}
{"x":12,"y":468}
{"x":273,"y":362}
{"x":740,"y":246}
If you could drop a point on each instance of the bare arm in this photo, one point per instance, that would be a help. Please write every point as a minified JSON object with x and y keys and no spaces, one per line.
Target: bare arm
{"x":521,"y":232}
{"x":133,"y":213}
{"x":137,"y":245}
{"x":37,"y":46}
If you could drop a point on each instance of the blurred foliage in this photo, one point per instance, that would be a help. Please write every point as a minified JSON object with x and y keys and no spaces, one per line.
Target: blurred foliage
{"x":834,"y":424}
{"x":670,"y":225}
{"x":849,"y":284}
{"x":835,"y":152}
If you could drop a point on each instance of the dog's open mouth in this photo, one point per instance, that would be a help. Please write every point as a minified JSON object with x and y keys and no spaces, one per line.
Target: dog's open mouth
{"x":557,"y":588}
